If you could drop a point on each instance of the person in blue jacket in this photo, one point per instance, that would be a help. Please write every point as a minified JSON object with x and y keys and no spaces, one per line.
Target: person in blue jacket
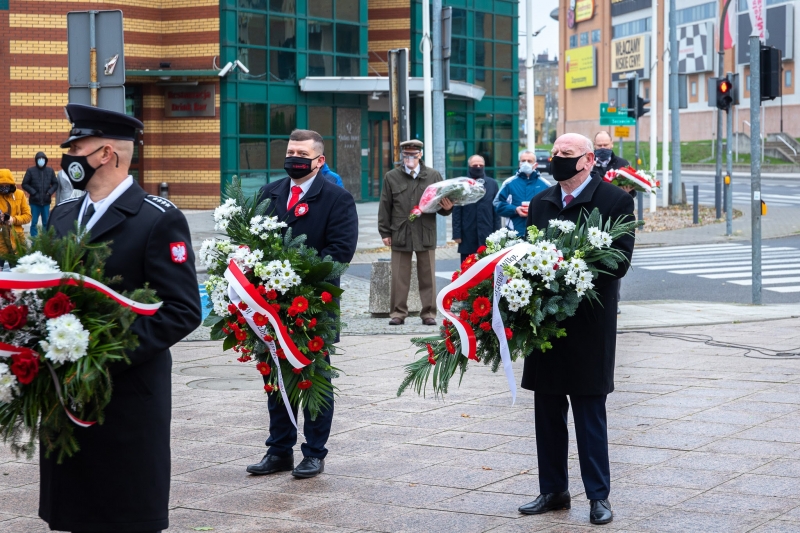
{"x":330,"y":175}
{"x":519,"y":188}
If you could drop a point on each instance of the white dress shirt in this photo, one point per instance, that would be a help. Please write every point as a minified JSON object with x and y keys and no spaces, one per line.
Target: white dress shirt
{"x":305,"y":186}
{"x":101,"y":206}
{"x":413,"y":172}
{"x":574,"y":193}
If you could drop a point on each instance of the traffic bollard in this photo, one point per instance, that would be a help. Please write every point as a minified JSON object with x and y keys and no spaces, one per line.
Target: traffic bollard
{"x":640,"y":206}
{"x":696,"y":204}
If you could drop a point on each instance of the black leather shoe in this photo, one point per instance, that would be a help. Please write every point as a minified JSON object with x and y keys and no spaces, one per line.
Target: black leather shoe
{"x":396,"y":321}
{"x":309,"y":467}
{"x":601,"y":512}
{"x":271,"y":464}
{"x":554,"y":501}
{"x":429,"y":321}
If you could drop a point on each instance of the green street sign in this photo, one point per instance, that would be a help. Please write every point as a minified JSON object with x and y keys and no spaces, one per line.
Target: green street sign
{"x":615,"y":116}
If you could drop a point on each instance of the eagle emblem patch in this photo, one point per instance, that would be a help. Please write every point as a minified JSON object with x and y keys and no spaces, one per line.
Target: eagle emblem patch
{"x":178,"y":252}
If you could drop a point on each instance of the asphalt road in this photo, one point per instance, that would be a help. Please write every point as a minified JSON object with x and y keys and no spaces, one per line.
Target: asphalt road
{"x":777,"y":192}
{"x":698,"y":273}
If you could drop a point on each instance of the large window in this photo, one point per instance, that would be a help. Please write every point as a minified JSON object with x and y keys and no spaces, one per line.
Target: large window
{"x":335,"y":43}
{"x":268,"y":41}
{"x":695,"y":13}
{"x":631,"y":28}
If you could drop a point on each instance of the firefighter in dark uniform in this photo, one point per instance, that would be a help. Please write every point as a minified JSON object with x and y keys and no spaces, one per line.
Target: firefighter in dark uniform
{"x":119,"y":480}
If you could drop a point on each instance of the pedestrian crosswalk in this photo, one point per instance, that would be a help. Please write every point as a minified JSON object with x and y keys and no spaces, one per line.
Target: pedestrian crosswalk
{"x":706,"y":197}
{"x":731,"y":263}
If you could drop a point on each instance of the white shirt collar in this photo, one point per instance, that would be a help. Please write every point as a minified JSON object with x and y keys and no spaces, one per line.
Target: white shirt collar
{"x":415,"y":171}
{"x":305,"y":186}
{"x":101,"y":206}
{"x":576,"y":192}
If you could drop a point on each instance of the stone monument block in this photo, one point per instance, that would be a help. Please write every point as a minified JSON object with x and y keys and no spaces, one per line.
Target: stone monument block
{"x":380,"y":288}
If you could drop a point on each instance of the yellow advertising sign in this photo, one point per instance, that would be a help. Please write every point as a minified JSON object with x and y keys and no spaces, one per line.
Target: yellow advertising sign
{"x":580,"y":67}
{"x":629,"y":55}
{"x":584,"y":10}
{"x":622,"y":131}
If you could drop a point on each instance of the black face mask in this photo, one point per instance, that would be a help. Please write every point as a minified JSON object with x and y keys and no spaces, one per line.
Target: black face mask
{"x":476,"y":172}
{"x":297,"y":167}
{"x":78,"y":169}
{"x":564,"y":168}
{"x":8,"y":189}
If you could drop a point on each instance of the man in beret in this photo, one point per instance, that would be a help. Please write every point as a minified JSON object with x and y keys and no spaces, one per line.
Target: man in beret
{"x":119,"y":480}
{"x":402,"y":190}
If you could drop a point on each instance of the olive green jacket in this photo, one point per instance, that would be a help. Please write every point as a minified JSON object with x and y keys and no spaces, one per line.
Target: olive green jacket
{"x":400,"y":194}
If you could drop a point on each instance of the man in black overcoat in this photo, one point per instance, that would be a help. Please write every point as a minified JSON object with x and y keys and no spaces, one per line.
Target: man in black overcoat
{"x":472,"y":223}
{"x":119,"y":480}
{"x":580,"y":365}
{"x":326,"y":214}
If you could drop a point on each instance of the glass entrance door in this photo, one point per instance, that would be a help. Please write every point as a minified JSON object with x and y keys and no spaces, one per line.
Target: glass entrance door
{"x":133,"y":108}
{"x":380,"y":153}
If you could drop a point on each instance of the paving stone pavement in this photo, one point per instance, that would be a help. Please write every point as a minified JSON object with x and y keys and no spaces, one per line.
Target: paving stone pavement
{"x":702,"y":437}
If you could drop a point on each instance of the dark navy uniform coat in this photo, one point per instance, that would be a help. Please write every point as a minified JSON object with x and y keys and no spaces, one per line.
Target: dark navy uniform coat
{"x":119,"y":480}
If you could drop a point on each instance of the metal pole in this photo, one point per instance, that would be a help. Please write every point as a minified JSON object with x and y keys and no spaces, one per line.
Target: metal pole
{"x":755,"y":164}
{"x":529,"y":80}
{"x":636,"y":155}
{"x":92,"y":59}
{"x":426,"y":82}
{"x":654,"y":100}
{"x":695,"y":204}
{"x":438,"y":111}
{"x":677,"y":197}
{"x":665,"y":179}
{"x":729,"y":185}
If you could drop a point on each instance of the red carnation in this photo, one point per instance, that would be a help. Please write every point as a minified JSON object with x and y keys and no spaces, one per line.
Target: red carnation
{"x":261,"y":290}
{"x":263,"y":368}
{"x":305,"y":384}
{"x":482,"y":306}
{"x":293,"y":311}
{"x":241,"y":319}
{"x":297,"y":370}
{"x":431,"y":360}
{"x":312,"y":323}
{"x":486,"y":326}
{"x":243,"y":306}
{"x":267,"y":338}
{"x":276,"y":307}
{"x":25,"y":365}
{"x":463,"y":295}
{"x":446,"y":323}
{"x":326,"y":297}
{"x":270,"y":388}
{"x":300,"y":303}
{"x":464,"y":314}
{"x":299,"y":322}
{"x":468,"y":262}
{"x":430,"y":350}
{"x":280,"y":354}
{"x":259,"y":319}
{"x":481,"y":250}
{"x":474,"y":318}
{"x":449,"y":345}
{"x":316,"y":344}
{"x":244,"y":359}
{"x":241,"y":335}
{"x":58,"y":305}
{"x":232,"y":309}
{"x":271,"y":294}
{"x":455,"y":275}
{"x":509,"y":333}
{"x":14,"y":316}
{"x":448,"y":303}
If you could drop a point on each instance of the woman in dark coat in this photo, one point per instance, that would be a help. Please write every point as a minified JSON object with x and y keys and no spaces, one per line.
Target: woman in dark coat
{"x":474,"y":222}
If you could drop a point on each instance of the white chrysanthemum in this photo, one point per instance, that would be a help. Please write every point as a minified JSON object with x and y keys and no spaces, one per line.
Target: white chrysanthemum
{"x":217,"y":290}
{"x":277,"y":275}
{"x":564,"y":225}
{"x":8,"y":384}
{"x":598,"y":238}
{"x":577,"y":264}
{"x":517,"y":293}
{"x":36,"y":263}
{"x":224,"y":213}
{"x":262,"y":226}
{"x":67,"y":340}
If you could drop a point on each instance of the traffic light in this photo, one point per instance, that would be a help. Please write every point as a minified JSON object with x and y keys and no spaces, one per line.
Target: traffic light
{"x":640,"y":107}
{"x":724,"y":94}
{"x":770,"y":73}
{"x":633,"y":92}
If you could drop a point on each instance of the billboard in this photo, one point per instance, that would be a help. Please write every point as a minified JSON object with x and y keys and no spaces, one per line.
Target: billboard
{"x":579,"y":11}
{"x":695,"y":48}
{"x":630,"y":55}
{"x":780,"y":32}
{"x":580,"y":67}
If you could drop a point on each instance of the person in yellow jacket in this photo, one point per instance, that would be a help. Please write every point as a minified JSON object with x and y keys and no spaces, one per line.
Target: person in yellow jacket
{"x":15,"y":211}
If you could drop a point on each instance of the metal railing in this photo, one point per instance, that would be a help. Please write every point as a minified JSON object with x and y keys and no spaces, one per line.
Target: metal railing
{"x":788,"y":145}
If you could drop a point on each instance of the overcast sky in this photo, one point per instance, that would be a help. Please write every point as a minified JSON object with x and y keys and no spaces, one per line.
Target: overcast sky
{"x":548,"y":39}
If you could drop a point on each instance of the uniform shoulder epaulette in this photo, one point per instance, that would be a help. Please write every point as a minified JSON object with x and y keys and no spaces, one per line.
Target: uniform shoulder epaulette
{"x":68,"y":200}
{"x":161,"y":203}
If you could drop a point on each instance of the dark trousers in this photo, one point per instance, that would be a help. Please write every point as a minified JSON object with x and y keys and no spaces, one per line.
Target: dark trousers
{"x":283,"y":434}
{"x":552,"y":442}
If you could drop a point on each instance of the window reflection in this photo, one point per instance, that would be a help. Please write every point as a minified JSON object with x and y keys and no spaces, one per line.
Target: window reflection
{"x":320,"y":36}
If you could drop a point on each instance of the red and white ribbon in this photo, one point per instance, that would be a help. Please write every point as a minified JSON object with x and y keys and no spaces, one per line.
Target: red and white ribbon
{"x":632,"y":175}
{"x":481,"y":271}
{"x":29,"y":282}
{"x":9,"y":350}
{"x":241,"y":290}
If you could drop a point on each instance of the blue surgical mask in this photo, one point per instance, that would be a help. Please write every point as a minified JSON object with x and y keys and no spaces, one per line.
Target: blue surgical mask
{"x":40,"y":161}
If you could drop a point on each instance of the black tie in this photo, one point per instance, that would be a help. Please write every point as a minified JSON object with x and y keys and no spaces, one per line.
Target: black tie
{"x":88,"y":214}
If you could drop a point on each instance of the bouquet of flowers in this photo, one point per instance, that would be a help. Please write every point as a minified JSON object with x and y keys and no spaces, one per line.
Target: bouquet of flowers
{"x":461,"y":191}
{"x":273,"y":300}
{"x":60,"y":331}
{"x":536,"y":285}
{"x":628,"y":176}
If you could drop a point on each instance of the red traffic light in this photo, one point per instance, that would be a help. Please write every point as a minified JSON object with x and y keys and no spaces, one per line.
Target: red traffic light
{"x":724,"y":86}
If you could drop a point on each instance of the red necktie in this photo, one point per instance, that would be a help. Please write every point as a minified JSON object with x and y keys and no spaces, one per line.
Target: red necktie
{"x":567,"y":199}
{"x":296,"y":192}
